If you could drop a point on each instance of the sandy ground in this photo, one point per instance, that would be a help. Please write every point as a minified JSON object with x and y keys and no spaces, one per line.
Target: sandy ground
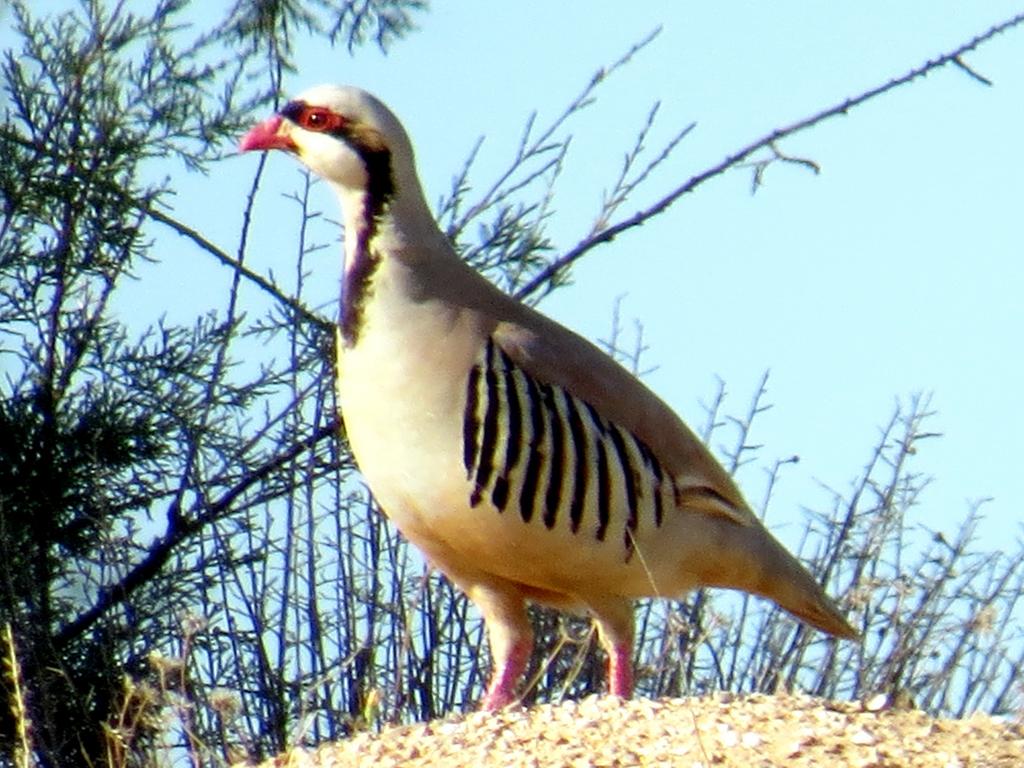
{"x":791,"y":731}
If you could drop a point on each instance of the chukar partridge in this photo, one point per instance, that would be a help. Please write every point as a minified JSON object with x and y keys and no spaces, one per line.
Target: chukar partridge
{"x":524,"y":462}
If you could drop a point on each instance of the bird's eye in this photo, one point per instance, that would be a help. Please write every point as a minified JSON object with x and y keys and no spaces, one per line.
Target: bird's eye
{"x":319,"y":119}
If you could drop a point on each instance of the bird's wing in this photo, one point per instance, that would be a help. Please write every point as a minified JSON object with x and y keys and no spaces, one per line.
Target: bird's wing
{"x":555,"y":355}
{"x":745,"y":555}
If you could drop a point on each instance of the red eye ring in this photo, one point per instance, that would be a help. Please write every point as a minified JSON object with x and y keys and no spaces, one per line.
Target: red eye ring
{"x":320,"y":119}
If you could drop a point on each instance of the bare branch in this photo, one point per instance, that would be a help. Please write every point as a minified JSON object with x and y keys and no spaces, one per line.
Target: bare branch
{"x":182,"y":527}
{"x":546,"y":275}
{"x":254,"y":277}
{"x":542,"y":144}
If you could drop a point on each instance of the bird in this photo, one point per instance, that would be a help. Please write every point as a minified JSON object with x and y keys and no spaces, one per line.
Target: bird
{"x":524,"y":462}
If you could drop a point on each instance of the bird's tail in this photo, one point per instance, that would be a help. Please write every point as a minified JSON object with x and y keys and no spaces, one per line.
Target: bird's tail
{"x":749,"y":558}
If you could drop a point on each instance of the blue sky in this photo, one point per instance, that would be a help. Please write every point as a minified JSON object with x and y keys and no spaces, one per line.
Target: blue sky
{"x":897,"y":270}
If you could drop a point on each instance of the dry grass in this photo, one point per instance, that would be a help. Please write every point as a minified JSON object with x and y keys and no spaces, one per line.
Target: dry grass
{"x":22,"y":756}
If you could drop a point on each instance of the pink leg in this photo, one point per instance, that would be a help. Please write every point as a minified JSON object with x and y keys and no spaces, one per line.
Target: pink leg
{"x":511,"y":639}
{"x":615,"y":627}
{"x":620,"y":670}
{"x":502,"y":689}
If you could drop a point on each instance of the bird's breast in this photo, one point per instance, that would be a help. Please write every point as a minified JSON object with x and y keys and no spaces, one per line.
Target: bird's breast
{"x":492,"y":473}
{"x":400,"y":389}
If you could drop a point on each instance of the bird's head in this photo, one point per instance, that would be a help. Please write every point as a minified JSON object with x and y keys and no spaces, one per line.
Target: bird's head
{"x":344,"y":135}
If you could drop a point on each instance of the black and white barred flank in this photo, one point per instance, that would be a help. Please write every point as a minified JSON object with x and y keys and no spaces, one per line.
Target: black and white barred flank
{"x":540,"y":449}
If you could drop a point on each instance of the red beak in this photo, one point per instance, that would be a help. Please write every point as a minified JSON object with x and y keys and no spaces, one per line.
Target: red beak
{"x":265,"y":136}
